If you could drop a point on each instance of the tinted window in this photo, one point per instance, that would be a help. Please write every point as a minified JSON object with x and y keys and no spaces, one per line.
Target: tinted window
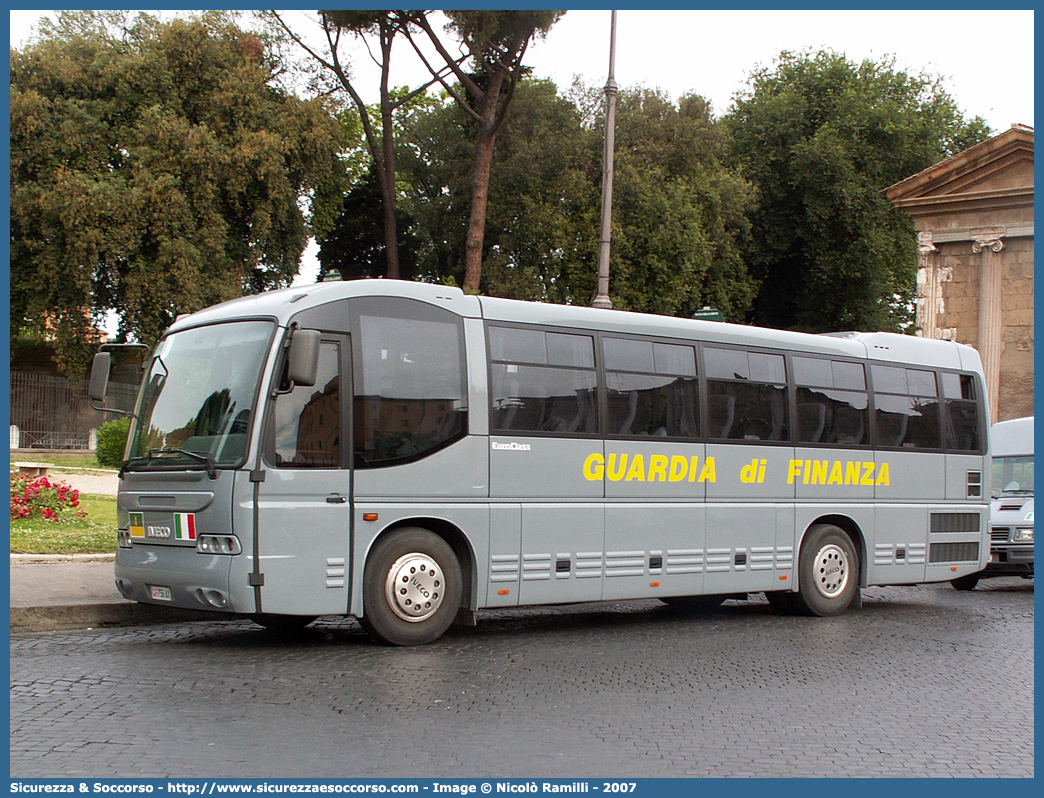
{"x":913,"y":382}
{"x":518,"y":346}
{"x":963,"y":421}
{"x":674,"y":359}
{"x":622,"y":354}
{"x":541,"y":399}
{"x":576,"y":351}
{"x":410,"y":396}
{"x":826,"y":416}
{"x":746,"y":395}
{"x":826,"y":412}
{"x":906,"y":408}
{"x":729,"y":364}
{"x":651,"y":388}
{"x":308,"y":419}
{"x":907,"y":422}
{"x":529,"y":396}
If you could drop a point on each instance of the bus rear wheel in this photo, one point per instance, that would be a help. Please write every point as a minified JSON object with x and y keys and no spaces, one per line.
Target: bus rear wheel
{"x":828,"y":572}
{"x":965,"y":582}
{"x":411,"y":588}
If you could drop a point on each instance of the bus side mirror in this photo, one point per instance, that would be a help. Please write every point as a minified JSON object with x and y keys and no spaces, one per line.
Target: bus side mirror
{"x":303,"y":359}
{"x":99,"y":382}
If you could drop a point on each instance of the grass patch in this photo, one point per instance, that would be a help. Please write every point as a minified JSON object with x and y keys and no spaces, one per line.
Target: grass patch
{"x":95,"y":534}
{"x":71,"y":460}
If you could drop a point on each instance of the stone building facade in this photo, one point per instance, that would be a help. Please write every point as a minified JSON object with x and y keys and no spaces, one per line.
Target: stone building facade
{"x":973,"y":214}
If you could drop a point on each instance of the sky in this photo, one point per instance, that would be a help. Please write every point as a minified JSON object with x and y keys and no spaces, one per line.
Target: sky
{"x":985,"y":58}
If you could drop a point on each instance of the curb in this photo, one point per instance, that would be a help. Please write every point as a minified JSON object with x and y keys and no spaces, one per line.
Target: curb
{"x":17,"y":559}
{"x":63,"y":617}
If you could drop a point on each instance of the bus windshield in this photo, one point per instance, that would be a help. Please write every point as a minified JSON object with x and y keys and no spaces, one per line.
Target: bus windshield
{"x":197,"y":399}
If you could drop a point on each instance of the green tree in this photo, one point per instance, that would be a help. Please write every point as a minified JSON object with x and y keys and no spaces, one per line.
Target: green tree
{"x":377,"y":31}
{"x":679,"y":219}
{"x":496,"y":44}
{"x":821,"y":137}
{"x":156,"y":168}
{"x":541,"y":226}
{"x":679,"y":216}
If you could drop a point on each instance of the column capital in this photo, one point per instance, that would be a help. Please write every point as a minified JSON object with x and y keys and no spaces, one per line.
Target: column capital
{"x":925,"y":242}
{"x":988,"y":238}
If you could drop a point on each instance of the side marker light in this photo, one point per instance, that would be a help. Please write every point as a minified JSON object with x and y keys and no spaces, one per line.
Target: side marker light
{"x":654,"y":584}
{"x":784,"y":577}
{"x":503,"y":592}
{"x":369,"y":516}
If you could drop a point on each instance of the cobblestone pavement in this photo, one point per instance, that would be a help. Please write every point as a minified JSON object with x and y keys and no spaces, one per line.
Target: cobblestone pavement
{"x":922,"y":681}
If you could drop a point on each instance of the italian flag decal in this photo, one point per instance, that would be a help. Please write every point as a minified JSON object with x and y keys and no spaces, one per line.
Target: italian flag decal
{"x":184,"y":526}
{"x":137,"y":525}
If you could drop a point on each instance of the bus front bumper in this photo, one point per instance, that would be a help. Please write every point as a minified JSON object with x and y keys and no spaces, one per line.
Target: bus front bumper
{"x":175,"y":576}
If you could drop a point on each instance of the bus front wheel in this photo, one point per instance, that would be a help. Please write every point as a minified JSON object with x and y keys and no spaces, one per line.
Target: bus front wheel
{"x":828,"y":572}
{"x":411,"y":588}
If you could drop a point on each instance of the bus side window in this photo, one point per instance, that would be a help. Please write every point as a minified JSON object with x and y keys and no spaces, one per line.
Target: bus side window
{"x":542,"y":381}
{"x":308,"y":418}
{"x":651,"y":387}
{"x":963,"y":417}
{"x":410,"y":395}
{"x":747,"y":395}
{"x":832,"y":402}
{"x":906,"y":408}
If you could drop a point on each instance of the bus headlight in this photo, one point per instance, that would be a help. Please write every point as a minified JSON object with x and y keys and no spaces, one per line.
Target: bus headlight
{"x":218,"y":544}
{"x":1022,"y":534}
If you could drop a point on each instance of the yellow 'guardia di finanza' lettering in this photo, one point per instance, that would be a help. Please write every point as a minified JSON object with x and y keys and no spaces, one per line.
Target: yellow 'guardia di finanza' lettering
{"x":837,"y":472}
{"x":626,"y":468}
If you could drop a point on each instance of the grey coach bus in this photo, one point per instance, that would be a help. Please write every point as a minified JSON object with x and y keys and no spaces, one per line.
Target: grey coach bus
{"x":407,"y":455}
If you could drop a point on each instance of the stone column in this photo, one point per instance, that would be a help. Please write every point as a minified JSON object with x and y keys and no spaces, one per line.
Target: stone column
{"x":927,"y":298}
{"x":989,"y":243}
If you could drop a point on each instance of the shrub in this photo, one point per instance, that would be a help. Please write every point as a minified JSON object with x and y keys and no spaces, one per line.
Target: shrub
{"x":112,"y":440}
{"x":33,"y":496}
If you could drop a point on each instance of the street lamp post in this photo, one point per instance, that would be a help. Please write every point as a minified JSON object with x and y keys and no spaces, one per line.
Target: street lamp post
{"x":601,"y":299}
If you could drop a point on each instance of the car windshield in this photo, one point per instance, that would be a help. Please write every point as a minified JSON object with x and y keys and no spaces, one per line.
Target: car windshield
{"x":1013,"y":476}
{"x":197,"y":399}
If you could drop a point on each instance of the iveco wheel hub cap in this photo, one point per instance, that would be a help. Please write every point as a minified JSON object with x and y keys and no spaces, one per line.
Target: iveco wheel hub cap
{"x":415,"y":587}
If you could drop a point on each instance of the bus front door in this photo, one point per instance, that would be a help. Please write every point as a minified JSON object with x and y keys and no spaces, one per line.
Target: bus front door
{"x":304,"y":506}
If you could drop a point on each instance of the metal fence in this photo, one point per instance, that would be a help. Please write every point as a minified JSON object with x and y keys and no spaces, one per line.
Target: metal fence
{"x":52,"y":412}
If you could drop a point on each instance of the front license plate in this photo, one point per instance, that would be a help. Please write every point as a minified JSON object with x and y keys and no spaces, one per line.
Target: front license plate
{"x":157,"y":593}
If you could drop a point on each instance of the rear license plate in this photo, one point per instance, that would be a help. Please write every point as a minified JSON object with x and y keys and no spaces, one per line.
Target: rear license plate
{"x":157,"y":593}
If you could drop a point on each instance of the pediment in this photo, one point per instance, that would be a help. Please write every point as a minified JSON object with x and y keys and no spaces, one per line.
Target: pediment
{"x":1001,"y":166}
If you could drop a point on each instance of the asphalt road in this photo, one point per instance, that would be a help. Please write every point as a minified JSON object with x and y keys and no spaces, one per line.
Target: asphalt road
{"x":920,"y":682}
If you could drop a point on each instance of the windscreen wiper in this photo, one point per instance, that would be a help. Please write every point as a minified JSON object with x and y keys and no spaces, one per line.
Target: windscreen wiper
{"x":207,"y":463}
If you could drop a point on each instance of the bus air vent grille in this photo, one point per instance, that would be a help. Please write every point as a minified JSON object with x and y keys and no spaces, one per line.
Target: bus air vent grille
{"x":954,"y":552}
{"x":955,"y":522}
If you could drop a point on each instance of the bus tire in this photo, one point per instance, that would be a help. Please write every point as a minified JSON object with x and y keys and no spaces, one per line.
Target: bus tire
{"x":698,"y":603}
{"x":411,"y":588}
{"x":828,"y":572}
{"x":965,"y":582}
{"x":285,"y":624}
